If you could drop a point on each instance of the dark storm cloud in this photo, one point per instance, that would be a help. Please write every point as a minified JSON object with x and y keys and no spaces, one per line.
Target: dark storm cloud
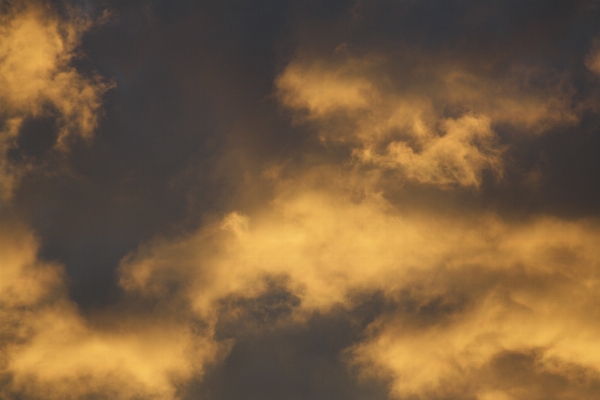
{"x":359,"y":200}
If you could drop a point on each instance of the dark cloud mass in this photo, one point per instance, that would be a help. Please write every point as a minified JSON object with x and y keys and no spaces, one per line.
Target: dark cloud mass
{"x":361,"y":200}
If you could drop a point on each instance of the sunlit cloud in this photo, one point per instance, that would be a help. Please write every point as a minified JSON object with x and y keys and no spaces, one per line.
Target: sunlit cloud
{"x":437,"y":127}
{"x":480,"y":314}
{"x":466,"y":290}
{"x":447,"y":302}
{"x":49,"y":350}
{"x":37,"y":80}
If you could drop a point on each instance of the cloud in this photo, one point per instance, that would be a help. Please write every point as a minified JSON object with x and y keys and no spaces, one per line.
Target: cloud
{"x":37,"y":80}
{"x":433,"y":122}
{"x":50,"y":350}
{"x":468,"y":294}
{"x":322,"y":91}
{"x":465,"y":290}
{"x":322,"y":267}
{"x":592,"y":60}
{"x":537,"y":301}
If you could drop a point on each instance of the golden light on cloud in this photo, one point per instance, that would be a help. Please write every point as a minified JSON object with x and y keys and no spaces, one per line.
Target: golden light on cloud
{"x":398,"y":217}
{"x":322,"y":91}
{"x":36,"y":78}
{"x":48,"y":349}
{"x":476,"y":288}
{"x":520,"y":310}
{"x":406,"y":131}
{"x":51,"y":351}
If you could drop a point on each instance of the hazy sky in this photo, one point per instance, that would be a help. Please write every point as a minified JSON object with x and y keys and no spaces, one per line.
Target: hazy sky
{"x":324,"y":200}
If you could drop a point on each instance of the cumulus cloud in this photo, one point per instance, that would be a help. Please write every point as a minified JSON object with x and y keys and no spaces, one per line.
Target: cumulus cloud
{"x":433,"y":123}
{"x":37,"y":80}
{"x":465,"y":291}
{"x":469,"y":296}
{"x":50,"y":350}
{"x":460,"y":321}
{"x":471,"y":304}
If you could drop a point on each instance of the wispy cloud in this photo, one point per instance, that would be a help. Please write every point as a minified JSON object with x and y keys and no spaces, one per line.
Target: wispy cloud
{"x":449,"y":301}
{"x":37,"y":80}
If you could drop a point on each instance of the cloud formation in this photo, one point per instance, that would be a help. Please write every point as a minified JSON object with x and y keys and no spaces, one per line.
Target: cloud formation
{"x":465,"y":292}
{"x":337,"y":232}
{"x":433,"y":123}
{"x":37,"y":80}
{"x":50,"y":350}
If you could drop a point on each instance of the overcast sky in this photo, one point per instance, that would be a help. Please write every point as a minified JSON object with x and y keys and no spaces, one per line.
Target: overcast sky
{"x":286,"y":200}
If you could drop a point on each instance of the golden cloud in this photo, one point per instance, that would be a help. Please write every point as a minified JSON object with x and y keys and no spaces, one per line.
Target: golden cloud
{"x":437,"y":127}
{"x":465,"y":294}
{"x":469,"y":290}
{"x":478,"y":287}
{"x":36,"y":49}
{"x":49,"y":350}
{"x":322,"y":91}
{"x":540,"y":302}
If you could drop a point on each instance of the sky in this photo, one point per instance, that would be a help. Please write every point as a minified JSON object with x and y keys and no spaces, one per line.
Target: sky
{"x":289,"y":200}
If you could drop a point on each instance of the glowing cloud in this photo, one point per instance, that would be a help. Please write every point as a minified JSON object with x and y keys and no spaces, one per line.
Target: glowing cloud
{"x":50,"y":350}
{"x":47,"y":348}
{"x":473,"y":305}
{"x":36,"y":48}
{"x":409,"y":130}
{"x":466,"y":291}
{"x":467,"y":294}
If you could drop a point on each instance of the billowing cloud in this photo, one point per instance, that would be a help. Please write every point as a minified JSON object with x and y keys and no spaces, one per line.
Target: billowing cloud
{"x":326,"y":239}
{"x":50,"y":350}
{"x":37,"y":80}
{"x":455,"y":332}
{"x":468,"y":296}
{"x":432,"y":123}
{"x":465,"y":291}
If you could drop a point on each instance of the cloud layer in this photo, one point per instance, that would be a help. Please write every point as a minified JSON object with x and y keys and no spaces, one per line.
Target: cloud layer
{"x":463,"y":292}
{"x":310,"y":204}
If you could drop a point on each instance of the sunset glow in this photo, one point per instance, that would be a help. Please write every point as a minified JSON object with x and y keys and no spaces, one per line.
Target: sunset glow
{"x":362,"y":200}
